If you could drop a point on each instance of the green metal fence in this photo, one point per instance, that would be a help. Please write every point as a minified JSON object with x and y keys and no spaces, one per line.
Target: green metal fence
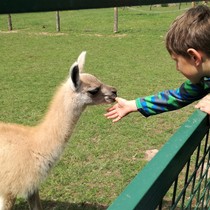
{"x":178,"y":176}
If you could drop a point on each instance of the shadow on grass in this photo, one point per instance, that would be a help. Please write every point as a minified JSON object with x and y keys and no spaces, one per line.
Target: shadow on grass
{"x":56,"y":205}
{"x":166,"y":205}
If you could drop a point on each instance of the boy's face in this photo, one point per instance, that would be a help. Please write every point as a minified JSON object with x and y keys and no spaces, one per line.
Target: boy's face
{"x":188,"y":68}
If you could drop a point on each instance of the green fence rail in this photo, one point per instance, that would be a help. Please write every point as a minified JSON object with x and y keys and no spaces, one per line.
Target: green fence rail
{"x":188,"y":147}
{"x":18,"y":6}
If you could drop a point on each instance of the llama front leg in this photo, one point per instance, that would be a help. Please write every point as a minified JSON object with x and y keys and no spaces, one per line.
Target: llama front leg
{"x":7,"y":202}
{"x":34,"y":201}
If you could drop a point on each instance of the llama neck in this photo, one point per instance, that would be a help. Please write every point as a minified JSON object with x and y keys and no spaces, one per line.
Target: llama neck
{"x":62,"y":116}
{"x":51,"y":135}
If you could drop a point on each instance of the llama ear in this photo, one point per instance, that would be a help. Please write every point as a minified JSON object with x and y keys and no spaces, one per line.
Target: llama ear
{"x":74,"y":75}
{"x":81,"y":61}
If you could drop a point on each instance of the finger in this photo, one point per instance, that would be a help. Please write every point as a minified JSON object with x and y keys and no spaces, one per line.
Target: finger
{"x":201,"y":104}
{"x":113,"y":116}
{"x":117,"y":119}
{"x":197,"y":106}
{"x":111,"y":108}
{"x":110,"y":113}
{"x":205,"y":109}
{"x":117,"y":99}
{"x":207,"y":97}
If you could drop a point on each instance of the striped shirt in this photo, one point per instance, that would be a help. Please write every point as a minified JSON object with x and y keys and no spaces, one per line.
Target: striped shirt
{"x":170,"y":100}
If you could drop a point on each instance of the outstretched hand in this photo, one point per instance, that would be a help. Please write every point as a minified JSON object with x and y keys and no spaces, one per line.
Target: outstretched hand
{"x":204,"y":104}
{"x":120,"y":109}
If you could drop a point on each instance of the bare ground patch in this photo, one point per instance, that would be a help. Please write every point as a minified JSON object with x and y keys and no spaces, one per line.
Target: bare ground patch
{"x":149,"y":154}
{"x":103,"y":35}
{"x":8,"y":32}
{"x":35,"y":33}
{"x":48,"y":34}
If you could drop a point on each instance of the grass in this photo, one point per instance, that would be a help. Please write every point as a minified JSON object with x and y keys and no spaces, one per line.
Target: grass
{"x":101,"y":158}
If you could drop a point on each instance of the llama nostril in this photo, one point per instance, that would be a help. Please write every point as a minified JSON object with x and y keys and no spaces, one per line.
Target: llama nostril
{"x":114,"y":92}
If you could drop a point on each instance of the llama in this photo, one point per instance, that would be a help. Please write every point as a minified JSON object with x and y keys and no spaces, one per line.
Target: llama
{"x":28,"y":153}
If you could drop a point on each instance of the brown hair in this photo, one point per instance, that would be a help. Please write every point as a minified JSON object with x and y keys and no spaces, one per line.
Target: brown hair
{"x":190,"y":30}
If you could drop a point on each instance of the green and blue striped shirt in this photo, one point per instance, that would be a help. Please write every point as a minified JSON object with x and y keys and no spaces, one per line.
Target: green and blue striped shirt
{"x":170,"y":100}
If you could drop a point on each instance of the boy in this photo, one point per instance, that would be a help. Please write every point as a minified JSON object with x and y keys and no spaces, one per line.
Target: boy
{"x":188,"y":43}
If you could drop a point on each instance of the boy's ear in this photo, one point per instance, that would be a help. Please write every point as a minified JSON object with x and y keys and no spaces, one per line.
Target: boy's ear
{"x":195,"y":55}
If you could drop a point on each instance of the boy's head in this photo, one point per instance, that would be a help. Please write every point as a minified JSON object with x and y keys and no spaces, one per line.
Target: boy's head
{"x":190,"y":30}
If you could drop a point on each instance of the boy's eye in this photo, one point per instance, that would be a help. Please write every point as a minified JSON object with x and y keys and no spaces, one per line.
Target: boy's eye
{"x":94,"y":91}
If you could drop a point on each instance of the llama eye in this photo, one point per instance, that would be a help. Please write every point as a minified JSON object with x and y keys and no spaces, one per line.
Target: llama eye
{"x":94,"y":91}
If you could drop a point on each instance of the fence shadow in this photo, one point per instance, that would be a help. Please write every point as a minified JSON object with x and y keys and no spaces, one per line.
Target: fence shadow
{"x":166,"y":205}
{"x":57,"y":205}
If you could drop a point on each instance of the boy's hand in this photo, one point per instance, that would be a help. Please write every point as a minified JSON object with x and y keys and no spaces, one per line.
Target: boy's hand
{"x":204,"y":104}
{"x":121,"y":109}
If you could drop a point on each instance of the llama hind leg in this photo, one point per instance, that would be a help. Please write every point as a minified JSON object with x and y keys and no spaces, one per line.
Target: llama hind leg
{"x":34,"y":201}
{"x":7,"y":202}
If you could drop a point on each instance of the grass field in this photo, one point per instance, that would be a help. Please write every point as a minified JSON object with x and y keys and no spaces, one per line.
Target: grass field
{"x":101,"y":158}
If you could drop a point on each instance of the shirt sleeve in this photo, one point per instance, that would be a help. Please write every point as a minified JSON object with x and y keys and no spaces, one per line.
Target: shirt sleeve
{"x":170,"y":100}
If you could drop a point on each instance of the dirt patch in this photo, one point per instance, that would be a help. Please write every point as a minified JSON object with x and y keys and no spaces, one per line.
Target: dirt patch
{"x":149,"y":154}
{"x":8,"y":32}
{"x":48,"y":34}
{"x":103,"y":35}
{"x":35,"y":33}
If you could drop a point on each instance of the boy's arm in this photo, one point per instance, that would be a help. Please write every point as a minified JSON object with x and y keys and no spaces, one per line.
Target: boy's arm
{"x":162,"y":102}
{"x":170,"y":99}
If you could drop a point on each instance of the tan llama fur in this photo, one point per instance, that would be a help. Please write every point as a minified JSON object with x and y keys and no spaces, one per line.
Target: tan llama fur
{"x":28,"y":153}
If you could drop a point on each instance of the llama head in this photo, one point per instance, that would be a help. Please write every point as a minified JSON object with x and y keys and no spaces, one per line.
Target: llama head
{"x":87,"y":87}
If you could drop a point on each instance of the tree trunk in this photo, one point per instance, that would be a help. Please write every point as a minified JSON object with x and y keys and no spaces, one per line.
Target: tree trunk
{"x":58,"y":28}
{"x":9,"y":22}
{"x":115,"y":19}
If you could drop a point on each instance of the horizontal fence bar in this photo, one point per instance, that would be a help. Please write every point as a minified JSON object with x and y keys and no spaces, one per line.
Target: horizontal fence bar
{"x":148,"y":188}
{"x":21,"y":6}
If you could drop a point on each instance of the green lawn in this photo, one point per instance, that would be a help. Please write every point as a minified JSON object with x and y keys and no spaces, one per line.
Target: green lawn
{"x":101,"y":157}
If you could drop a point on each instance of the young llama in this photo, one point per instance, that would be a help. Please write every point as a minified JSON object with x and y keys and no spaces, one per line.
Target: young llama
{"x":28,"y":153}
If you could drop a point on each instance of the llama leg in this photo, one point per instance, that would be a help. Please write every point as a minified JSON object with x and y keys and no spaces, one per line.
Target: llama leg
{"x":7,"y":202}
{"x":34,"y":201}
